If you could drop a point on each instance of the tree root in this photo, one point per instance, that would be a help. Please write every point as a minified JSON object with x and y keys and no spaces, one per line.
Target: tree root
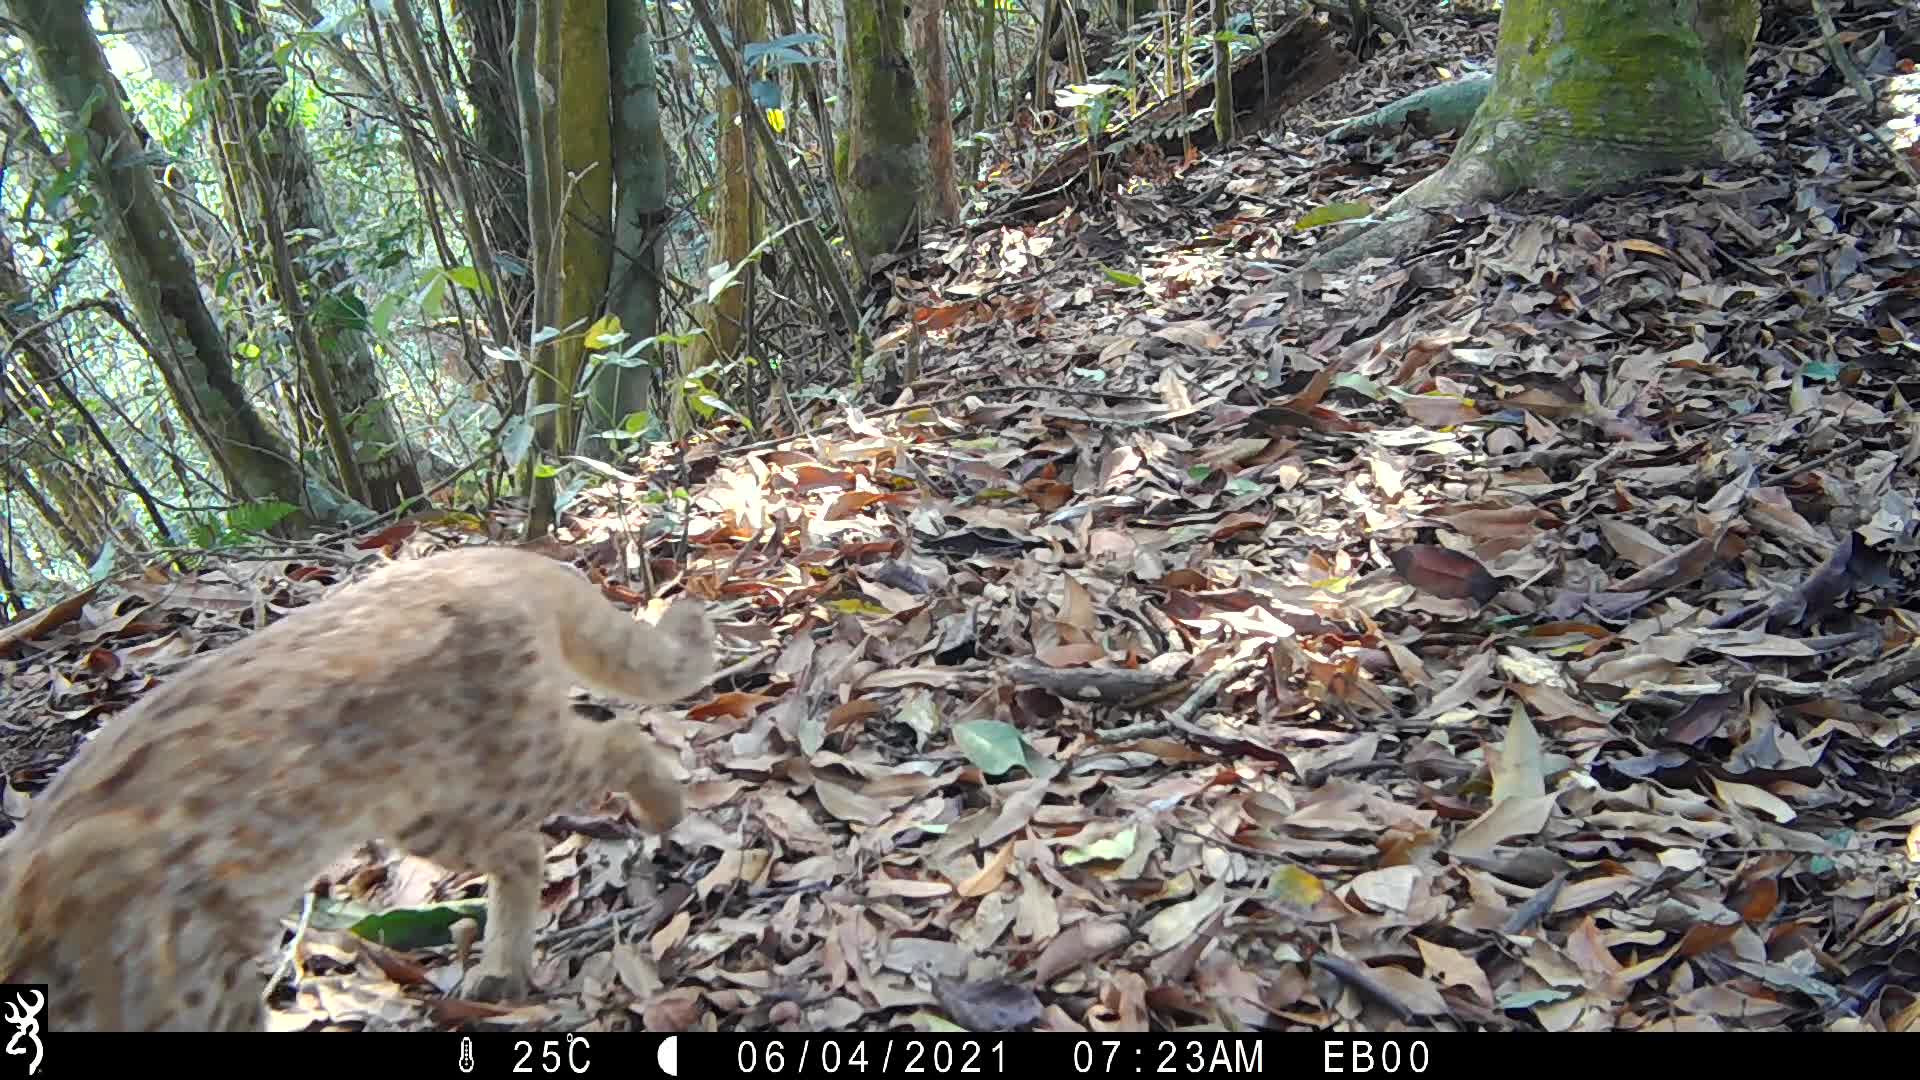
{"x":1415,"y":216}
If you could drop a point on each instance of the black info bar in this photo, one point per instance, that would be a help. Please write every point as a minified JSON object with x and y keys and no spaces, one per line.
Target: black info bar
{"x":1052,"y":1056}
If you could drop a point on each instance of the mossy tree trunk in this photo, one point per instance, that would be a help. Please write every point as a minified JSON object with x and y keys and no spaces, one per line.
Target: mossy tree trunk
{"x":1586,"y":93}
{"x":616,"y":392}
{"x":585,"y":202}
{"x":1222,"y":76}
{"x":882,"y":164}
{"x":986,"y":97}
{"x":568,"y":143}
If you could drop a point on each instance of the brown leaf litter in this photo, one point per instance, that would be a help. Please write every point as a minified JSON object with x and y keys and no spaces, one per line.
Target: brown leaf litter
{"x":1518,"y":638}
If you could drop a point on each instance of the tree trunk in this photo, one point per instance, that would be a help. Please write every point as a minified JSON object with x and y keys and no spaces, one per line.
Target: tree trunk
{"x":883,"y":159}
{"x":738,"y":216}
{"x":1596,"y":91}
{"x":569,"y":148}
{"x":618,"y":391}
{"x":533,"y":56}
{"x":930,"y":56}
{"x":986,"y":98}
{"x":585,"y":203}
{"x":1222,"y":76}
{"x":1585,"y":93}
{"x":489,"y":28}
{"x":157,"y":275}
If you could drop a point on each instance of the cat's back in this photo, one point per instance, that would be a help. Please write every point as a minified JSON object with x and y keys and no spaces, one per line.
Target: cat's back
{"x":339,"y":693}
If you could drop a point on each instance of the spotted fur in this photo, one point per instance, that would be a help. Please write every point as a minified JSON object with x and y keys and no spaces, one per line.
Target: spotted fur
{"x":427,"y":706}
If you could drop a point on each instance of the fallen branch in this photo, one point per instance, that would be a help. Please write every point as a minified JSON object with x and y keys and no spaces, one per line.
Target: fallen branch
{"x":1090,"y":683}
{"x":1181,"y":719}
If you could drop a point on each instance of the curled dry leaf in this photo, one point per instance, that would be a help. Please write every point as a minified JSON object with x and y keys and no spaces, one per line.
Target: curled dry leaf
{"x":1078,"y":945}
{"x":987,"y":1006}
{"x":1445,"y":573}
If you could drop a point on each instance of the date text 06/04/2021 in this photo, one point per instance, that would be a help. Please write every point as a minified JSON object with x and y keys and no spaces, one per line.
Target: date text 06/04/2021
{"x":1218,"y":1055}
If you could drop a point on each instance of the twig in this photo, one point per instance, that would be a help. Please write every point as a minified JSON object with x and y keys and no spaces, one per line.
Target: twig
{"x":1362,"y":979}
{"x":1859,"y":84}
{"x":593,"y":929}
{"x":1873,"y":685}
{"x":1211,"y":685}
{"x":409,"y":504}
{"x":1145,"y":729}
{"x":1181,"y":719}
{"x":286,"y":956}
{"x":1809,"y":466}
{"x":292,"y":551}
{"x":1250,"y":852}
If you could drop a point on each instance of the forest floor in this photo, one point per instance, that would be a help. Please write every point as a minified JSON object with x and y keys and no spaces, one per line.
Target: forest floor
{"x":1517,"y":638}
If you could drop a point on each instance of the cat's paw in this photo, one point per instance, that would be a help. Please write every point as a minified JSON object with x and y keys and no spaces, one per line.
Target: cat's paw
{"x":482,"y":984}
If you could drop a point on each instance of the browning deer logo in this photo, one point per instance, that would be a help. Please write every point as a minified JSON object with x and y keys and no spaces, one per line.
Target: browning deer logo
{"x":25,"y":1019}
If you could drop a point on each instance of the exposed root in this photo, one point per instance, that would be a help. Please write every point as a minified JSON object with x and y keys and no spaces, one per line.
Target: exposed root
{"x":1415,"y":216}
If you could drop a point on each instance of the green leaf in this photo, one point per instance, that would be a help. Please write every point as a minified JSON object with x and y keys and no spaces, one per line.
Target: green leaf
{"x":605,"y":333}
{"x":780,"y":52}
{"x":258,"y":517}
{"x":421,"y":927}
{"x":1296,"y":886}
{"x":1824,"y":864}
{"x":1331,"y":214}
{"x":566,"y":496}
{"x":544,"y":470}
{"x":433,"y":294}
{"x":1121,"y":277}
{"x":858,"y":607}
{"x":465,"y":276}
{"x":335,"y":310}
{"x":721,"y":276}
{"x":200,"y":532}
{"x":1529,"y":998}
{"x":992,"y":745}
{"x":1113,"y":848}
{"x":1079,"y":94}
{"x":383,"y":313}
